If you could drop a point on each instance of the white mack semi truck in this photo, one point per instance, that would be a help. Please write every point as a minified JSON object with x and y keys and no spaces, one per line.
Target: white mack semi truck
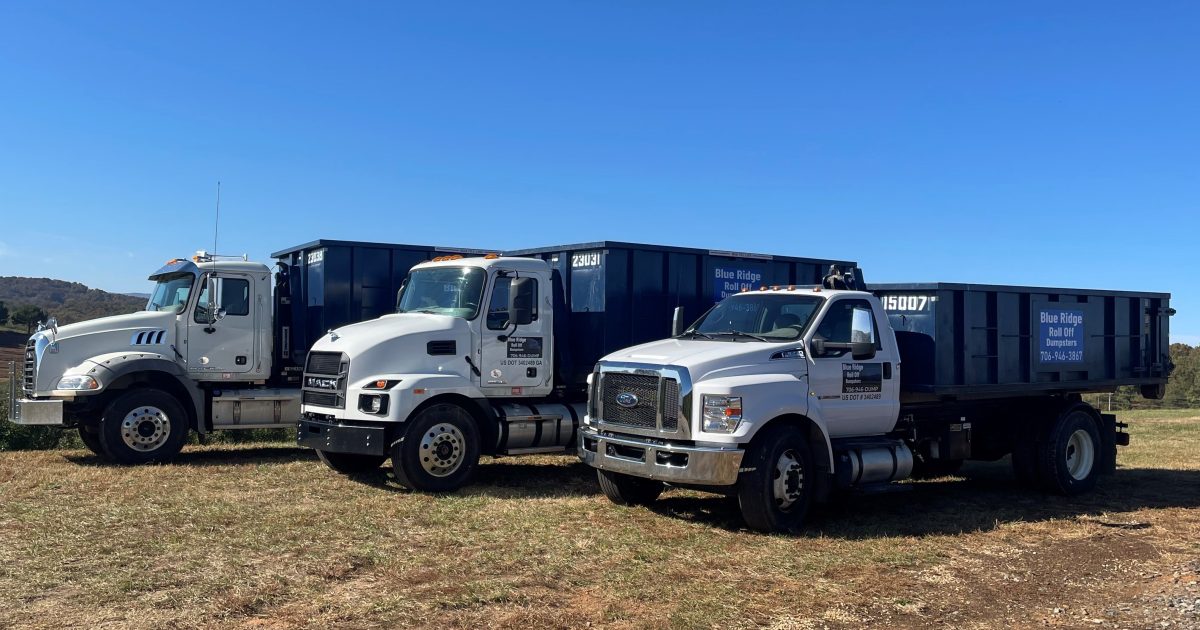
{"x":218,"y":347}
{"x":781,"y":395}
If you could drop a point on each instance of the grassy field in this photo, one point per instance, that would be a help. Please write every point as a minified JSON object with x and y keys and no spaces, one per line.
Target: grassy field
{"x":265,"y":536}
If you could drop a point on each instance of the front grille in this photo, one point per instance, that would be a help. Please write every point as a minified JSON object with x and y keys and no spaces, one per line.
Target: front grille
{"x":326,"y":363}
{"x":670,"y":402}
{"x":324,"y":399}
{"x":325,"y":366}
{"x":643,"y":414}
{"x":30,"y":367}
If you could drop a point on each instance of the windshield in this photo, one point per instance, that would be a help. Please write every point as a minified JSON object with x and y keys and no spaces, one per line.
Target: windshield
{"x":757,"y":316}
{"x":454,"y":291}
{"x":171,"y":293}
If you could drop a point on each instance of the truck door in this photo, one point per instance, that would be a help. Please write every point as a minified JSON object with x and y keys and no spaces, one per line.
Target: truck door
{"x":855,"y":396}
{"x":227,"y":346}
{"x":516,"y":357}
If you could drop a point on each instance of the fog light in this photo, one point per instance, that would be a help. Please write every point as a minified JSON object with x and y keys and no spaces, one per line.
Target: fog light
{"x":372,"y":404}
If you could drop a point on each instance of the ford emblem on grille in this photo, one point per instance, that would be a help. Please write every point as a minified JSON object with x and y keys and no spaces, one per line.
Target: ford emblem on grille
{"x":627,"y":399}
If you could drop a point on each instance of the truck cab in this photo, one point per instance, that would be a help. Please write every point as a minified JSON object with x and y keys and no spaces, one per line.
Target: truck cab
{"x":786,"y":365}
{"x":465,"y":366}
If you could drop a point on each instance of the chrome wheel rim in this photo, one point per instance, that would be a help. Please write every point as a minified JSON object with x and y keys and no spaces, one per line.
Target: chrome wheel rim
{"x":788,"y":483}
{"x":1080,"y":454}
{"x":443,"y":449}
{"x":145,"y":428}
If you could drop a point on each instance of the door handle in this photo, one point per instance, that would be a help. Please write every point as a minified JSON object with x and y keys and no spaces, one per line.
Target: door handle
{"x":887,"y":369}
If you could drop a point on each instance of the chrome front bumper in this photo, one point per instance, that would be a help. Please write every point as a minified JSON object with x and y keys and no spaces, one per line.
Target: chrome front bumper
{"x":30,"y":411}
{"x":650,"y":459}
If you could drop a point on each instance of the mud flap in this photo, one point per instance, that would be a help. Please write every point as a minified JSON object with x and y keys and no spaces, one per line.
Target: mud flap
{"x":1108,"y":443}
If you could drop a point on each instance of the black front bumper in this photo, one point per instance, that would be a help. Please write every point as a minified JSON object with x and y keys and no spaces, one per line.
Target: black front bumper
{"x":334,"y":437}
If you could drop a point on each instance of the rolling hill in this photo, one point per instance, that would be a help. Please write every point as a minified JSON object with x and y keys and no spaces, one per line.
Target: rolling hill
{"x":67,"y":301}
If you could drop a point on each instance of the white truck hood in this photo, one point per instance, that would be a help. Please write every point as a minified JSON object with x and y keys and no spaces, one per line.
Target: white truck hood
{"x":705,"y":358}
{"x":75,"y":344}
{"x":397,"y":344}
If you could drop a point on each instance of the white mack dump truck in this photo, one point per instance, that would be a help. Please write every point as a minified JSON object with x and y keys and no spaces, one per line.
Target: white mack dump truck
{"x":780,"y":396}
{"x":215,"y":349}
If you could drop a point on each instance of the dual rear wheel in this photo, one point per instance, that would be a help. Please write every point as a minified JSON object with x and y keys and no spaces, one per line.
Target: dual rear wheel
{"x":1064,"y":457}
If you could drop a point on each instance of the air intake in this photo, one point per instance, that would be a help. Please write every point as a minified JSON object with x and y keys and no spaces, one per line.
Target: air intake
{"x":442,"y":347}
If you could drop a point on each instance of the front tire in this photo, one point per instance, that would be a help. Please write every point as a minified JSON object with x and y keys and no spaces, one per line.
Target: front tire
{"x":142,"y":426}
{"x":776,"y":489}
{"x":351,"y":463}
{"x":439,"y":451}
{"x":1068,"y":458}
{"x":90,"y":436}
{"x":627,"y":489}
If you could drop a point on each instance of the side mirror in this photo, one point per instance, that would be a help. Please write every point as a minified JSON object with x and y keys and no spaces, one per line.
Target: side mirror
{"x":520,"y":301}
{"x":862,"y":350}
{"x":210,"y":307}
{"x":677,"y":324}
{"x":818,"y":347}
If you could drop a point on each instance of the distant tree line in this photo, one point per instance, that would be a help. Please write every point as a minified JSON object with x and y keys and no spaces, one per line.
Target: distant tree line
{"x":1183,"y":387}
{"x":26,"y":301}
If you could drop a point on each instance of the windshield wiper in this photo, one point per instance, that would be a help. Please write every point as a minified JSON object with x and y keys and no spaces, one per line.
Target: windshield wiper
{"x":693,"y":333}
{"x":743,"y":334}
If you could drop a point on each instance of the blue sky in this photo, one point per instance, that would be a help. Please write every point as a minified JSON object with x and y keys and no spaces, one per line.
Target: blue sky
{"x":1024,"y":143}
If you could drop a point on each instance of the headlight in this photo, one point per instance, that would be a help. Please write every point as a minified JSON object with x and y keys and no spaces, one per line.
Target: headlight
{"x":77,"y":382}
{"x":722,"y":414}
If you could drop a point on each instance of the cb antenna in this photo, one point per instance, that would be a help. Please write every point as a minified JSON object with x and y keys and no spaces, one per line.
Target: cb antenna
{"x":216,"y":222}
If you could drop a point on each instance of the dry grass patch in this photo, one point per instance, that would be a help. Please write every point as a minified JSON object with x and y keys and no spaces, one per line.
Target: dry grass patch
{"x":266,"y":536}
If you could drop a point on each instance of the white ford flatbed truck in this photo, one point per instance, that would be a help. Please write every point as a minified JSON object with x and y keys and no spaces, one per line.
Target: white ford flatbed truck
{"x":783,"y":395}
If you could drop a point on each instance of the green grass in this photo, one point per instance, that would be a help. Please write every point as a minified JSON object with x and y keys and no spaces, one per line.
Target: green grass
{"x":264,"y":535}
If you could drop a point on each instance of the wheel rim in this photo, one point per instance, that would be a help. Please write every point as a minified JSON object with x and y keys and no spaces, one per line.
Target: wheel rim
{"x":788,"y":482}
{"x":443,"y":449}
{"x":1080,"y":454}
{"x":145,"y":428}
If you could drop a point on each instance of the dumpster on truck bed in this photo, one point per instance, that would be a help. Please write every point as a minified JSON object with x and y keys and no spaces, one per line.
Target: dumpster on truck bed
{"x":975,"y":340}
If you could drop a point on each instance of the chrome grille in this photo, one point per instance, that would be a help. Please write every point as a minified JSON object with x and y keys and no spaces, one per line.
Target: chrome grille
{"x":30,"y":367}
{"x":328,"y":363}
{"x":657,"y":400}
{"x":644,"y":413}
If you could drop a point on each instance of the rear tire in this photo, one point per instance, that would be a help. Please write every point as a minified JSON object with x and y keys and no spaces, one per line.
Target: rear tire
{"x":351,"y":463}
{"x":90,"y":436}
{"x":776,"y":489}
{"x":627,"y":489}
{"x":142,"y":426}
{"x":439,"y":451}
{"x":1068,"y":459}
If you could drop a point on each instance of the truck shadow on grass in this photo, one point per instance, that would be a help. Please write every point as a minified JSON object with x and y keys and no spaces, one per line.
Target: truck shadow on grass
{"x":982,"y":500}
{"x":252,"y":456}
{"x":506,"y":478}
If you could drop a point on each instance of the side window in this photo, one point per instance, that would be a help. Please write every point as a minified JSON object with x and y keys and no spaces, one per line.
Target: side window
{"x":233,"y":295}
{"x":849,"y":321}
{"x":497,"y":313}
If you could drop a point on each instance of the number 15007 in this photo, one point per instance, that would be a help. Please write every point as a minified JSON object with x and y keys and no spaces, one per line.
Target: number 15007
{"x":907,"y":302}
